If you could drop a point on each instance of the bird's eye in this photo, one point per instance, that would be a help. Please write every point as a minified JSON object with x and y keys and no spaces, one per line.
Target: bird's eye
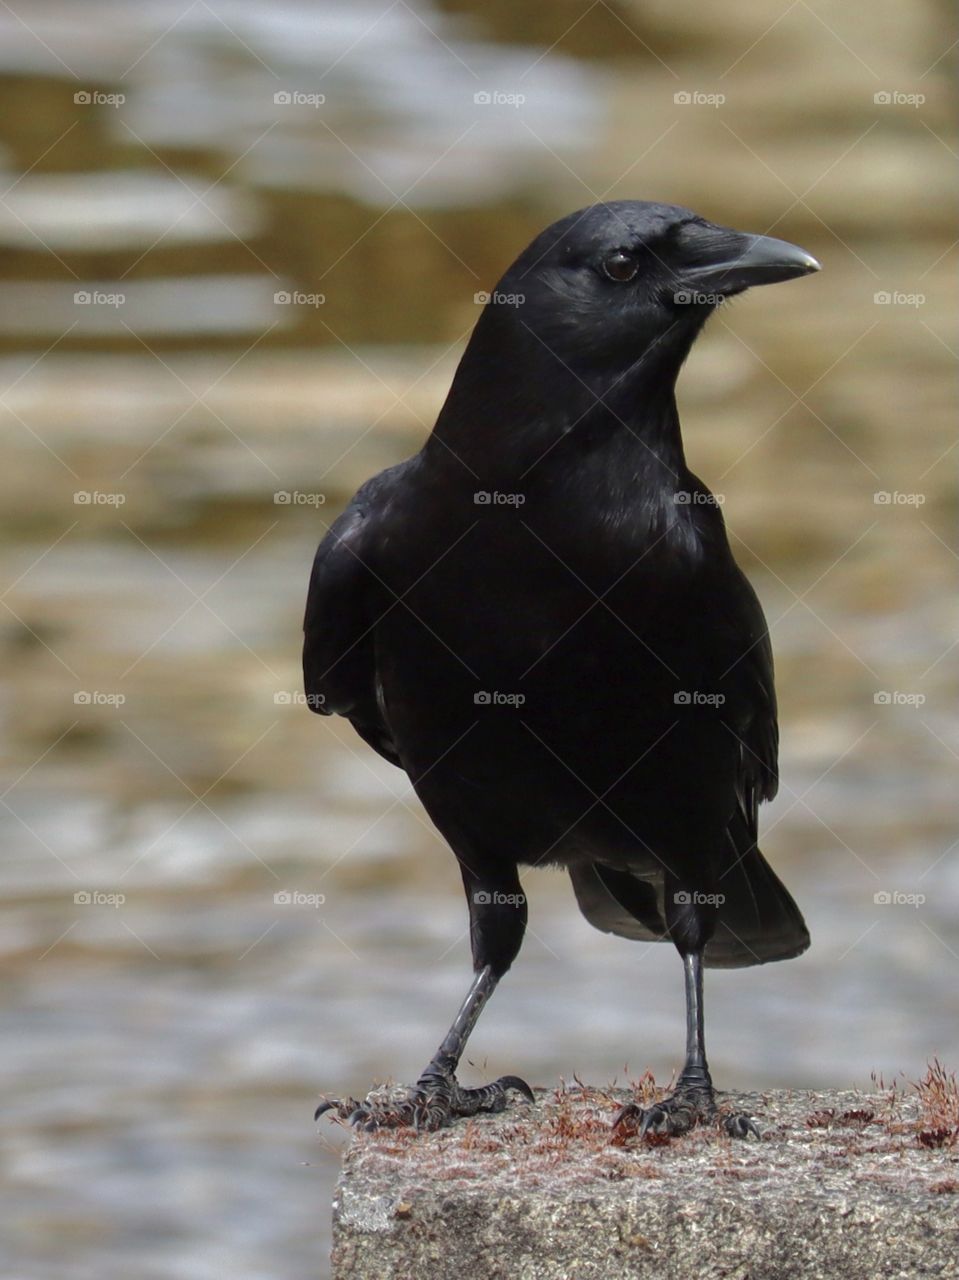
{"x":620,"y":266}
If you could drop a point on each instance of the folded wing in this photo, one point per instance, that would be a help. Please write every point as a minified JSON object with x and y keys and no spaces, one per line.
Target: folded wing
{"x":345,"y":602}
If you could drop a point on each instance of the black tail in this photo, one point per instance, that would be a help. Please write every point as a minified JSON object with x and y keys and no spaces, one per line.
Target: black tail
{"x":758,"y":920}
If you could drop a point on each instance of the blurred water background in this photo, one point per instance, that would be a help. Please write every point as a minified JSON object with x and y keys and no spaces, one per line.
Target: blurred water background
{"x":240,"y":246}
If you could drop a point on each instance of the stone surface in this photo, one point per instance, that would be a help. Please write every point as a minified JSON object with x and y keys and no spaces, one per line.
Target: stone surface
{"x":842,"y":1184}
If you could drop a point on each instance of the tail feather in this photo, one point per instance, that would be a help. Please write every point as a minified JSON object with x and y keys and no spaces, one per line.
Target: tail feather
{"x":758,"y":920}
{"x":620,"y":902}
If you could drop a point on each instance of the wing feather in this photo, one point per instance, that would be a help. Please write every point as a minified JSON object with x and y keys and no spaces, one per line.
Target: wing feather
{"x":345,"y":602}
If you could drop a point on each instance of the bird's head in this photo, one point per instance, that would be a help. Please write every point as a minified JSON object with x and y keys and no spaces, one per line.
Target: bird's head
{"x":600,"y":311}
{"x":631,"y":282}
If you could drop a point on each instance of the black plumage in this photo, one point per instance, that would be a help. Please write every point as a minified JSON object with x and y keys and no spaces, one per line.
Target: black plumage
{"x":540,"y":619}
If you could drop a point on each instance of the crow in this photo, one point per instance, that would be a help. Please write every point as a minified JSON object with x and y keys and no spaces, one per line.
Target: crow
{"x":539,"y":618}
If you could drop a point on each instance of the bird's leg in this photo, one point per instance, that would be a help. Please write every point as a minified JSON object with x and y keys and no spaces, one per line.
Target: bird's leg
{"x":693,"y":1100}
{"x":497,"y":923}
{"x":437,"y":1097}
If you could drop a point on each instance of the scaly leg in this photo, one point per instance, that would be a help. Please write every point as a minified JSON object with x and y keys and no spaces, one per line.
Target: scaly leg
{"x":693,"y":1100}
{"x":497,"y":924}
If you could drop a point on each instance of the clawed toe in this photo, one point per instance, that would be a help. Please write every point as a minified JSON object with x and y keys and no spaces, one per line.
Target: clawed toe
{"x":670,"y":1118}
{"x":382,"y":1108}
{"x":678,"y":1114}
{"x":345,"y":1109}
{"x":663,"y":1122}
{"x":434,"y":1101}
{"x":740,"y":1125}
{"x":514,"y":1082}
{"x":626,"y":1115}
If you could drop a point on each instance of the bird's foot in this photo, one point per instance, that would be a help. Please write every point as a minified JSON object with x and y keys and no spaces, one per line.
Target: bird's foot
{"x":684,"y":1109}
{"x":674,"y":1116}
{"x":435,"y":1100}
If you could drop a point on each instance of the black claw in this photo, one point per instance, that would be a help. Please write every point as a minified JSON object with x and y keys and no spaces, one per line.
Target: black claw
{"x":627,"y":1112}
{"x":653,"y":1118}
{"x":740,"y":1126}
{"x":514,"y":1082}
{"x":671,"y":1118}
{"x":324,"y":1106}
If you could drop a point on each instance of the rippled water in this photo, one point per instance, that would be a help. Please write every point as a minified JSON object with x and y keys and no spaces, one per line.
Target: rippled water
{"x":166,"y":1042}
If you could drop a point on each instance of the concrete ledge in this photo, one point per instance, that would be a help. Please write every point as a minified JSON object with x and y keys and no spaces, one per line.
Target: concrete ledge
{"x":843,"y":1184}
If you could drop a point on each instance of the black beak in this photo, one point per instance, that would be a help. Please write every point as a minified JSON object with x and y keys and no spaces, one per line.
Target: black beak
{"x":726,"y":262}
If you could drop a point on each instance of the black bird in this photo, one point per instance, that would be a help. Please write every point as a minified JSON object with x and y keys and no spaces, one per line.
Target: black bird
{"x":539,"y":618}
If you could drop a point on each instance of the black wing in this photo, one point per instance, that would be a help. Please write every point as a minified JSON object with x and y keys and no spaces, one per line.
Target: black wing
{"x":345,"y":601}
{"x":750,"y":672}
{"x":758,"y":920}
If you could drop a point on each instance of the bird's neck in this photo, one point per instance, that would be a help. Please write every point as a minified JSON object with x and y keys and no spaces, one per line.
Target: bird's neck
{"x":504,"y":427}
